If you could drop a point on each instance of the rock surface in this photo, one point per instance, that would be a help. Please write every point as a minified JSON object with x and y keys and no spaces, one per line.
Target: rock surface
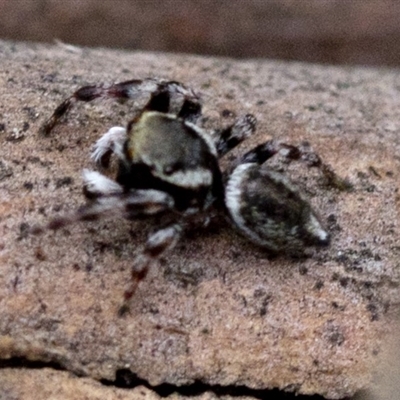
{"x":217,"y":310}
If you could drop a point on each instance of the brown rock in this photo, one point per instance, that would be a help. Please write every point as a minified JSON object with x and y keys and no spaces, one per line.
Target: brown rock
{"x":217,"y":310}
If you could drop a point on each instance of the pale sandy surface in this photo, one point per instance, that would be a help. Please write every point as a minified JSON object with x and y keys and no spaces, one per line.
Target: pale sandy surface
{"x":217,"y":310}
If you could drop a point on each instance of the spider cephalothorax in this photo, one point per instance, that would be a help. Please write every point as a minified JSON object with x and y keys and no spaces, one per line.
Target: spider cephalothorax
{"x":168,"y":166}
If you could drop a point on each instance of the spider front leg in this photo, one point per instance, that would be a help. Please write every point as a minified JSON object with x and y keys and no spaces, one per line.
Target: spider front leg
{"x":167,"y":94}
{"x":263,"y":152}
{"x":110,"y":143}
{"x":156,"y":246}
{"x":108,"y":199}
{"x":160,"y":91}
{"x":304,"y":153}
{"x":228,"y":138}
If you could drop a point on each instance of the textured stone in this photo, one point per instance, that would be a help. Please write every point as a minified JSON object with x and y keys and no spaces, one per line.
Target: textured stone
{"x":50,"y":384}
{"x":216,"y":310}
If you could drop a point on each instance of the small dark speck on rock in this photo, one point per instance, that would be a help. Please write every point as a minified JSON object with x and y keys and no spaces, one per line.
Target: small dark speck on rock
{"x":39,"y":254}
{"x":88,"y":267}
{"x":23,"y":231}
{"x":49,"y":77}
{"x":371,"y":188}
{"x":344,"y":282}
{"x":227,"y":113}
{"x":336,"y":338}
{"x":319,"y":285}
{"x":5,"y":172}
{"x":65,"y":181}
{"x":33,"y":160}
{"x":374,"y":171}
{"x":25,"y":126}
{"x":377,"y":257}
{"x":373,"y":309}
{"x":335,"y":276}
{"x":331,"y":218}
{"x":303,"y":270}
{"x":28,"y":185}
{"x":31,"y":112}
{"x":2,"y":127}
{"x":57,"y":207}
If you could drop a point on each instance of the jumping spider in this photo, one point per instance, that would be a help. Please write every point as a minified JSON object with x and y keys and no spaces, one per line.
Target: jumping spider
{"x":168,"y":167}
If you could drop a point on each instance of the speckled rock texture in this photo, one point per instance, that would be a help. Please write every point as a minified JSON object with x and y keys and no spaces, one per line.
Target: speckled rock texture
{"x":217,"y":310}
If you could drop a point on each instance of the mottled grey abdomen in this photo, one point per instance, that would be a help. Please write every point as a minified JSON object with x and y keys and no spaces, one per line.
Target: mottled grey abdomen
{"x":270,"y":211}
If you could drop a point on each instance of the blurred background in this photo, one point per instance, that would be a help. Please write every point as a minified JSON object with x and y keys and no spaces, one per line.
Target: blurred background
{"x":365,"y":32}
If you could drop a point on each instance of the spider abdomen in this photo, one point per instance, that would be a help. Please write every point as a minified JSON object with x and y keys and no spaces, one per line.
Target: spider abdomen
{"x":270,"y":211}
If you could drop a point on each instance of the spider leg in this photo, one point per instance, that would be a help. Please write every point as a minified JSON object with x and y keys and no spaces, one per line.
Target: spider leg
{"x":111,"y":142}
{"x":134,"y":203}
{"x":265,"y":151}
{"x":107,"y":200}
{"x":228,"y":138}
{"x":303,"y":153}
{"x":168,"y":93}
{"x":260,"y":153}
{"x":190,"y":110}
{"x":156,"y":246}
{"x":97,"y":185}
{"x":132,"y":89}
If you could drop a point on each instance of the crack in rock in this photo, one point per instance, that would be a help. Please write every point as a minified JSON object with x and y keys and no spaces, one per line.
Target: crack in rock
{"x":126,"y":379}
